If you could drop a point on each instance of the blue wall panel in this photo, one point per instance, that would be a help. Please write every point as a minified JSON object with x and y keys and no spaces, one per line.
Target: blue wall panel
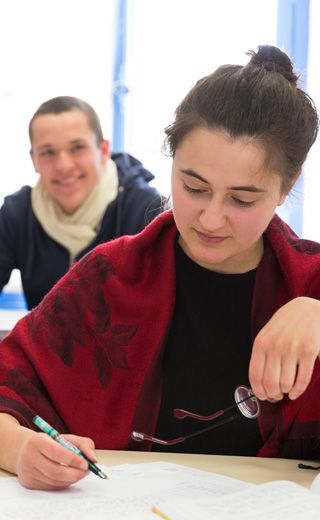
{"x":293,"y":38}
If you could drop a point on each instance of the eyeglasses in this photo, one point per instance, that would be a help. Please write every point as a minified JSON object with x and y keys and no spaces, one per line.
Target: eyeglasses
{"x":245,"y":401}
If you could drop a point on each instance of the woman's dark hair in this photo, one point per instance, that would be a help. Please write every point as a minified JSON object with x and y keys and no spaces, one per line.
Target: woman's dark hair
{"x":61,"y":104}
{"x":260,"y":100}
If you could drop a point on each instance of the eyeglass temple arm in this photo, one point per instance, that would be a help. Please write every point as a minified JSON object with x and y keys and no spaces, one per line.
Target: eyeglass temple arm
{"x":139,"y":436}
{"x":179,"y":413}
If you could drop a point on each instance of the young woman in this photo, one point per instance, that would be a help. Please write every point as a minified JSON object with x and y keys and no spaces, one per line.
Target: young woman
{"x":215,"y":294}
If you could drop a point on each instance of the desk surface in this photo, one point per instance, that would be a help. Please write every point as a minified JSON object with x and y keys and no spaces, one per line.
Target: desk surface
{"x":251,"y":469}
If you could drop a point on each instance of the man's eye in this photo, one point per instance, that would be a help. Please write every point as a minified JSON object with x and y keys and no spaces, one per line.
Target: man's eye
{"x":47,"y":153}
{"x":77,"y":148}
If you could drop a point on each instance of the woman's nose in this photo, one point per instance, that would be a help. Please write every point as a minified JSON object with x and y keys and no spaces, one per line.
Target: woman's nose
{"x":213,"y":215}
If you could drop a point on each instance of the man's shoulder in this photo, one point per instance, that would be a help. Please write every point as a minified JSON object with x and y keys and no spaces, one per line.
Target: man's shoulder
{"x":131,"y":171}
{"x":16,"y":210}
{"x":17,"y":205}
{"x":19,"y":199}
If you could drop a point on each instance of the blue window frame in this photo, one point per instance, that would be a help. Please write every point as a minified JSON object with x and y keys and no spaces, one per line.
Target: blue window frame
{"x":292,"y":38}
{"x":119,"y":87}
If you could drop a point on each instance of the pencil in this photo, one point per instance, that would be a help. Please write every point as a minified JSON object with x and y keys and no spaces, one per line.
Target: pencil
{"x":159,"y":513}
{"x":55,"y":435}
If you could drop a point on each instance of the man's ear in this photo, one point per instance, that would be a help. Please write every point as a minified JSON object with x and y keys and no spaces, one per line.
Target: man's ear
{"x":33,"y":161}
{"x":105,"y":150}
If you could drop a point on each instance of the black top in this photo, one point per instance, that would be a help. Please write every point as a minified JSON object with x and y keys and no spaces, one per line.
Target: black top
{"x":206,"y":357}
{"x":42,"y":261}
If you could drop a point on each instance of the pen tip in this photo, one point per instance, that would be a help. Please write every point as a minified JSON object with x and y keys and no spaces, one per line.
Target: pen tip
{"x":102,"y":475}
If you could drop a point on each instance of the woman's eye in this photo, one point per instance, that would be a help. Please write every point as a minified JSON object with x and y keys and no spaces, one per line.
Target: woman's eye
{"x":194,"y":190}
{"x":244,"y":203}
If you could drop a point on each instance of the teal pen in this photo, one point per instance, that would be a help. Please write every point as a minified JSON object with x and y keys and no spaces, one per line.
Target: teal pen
{"x":46,"y":428}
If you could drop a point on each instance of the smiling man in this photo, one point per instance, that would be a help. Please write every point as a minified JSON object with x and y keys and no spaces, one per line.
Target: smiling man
{"x":84,"y":196}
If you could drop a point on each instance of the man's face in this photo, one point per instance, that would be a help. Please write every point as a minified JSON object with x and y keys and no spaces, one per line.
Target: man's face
{"x":67,"y":157}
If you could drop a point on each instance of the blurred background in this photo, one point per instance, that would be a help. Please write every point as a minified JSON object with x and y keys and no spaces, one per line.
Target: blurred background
{"x":134,"y":60}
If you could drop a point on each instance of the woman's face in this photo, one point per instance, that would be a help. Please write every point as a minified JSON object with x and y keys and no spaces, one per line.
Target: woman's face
{"x":223,"y":199}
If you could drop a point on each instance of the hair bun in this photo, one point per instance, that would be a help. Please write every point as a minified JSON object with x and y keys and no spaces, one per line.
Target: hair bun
{"x":274,"y":60}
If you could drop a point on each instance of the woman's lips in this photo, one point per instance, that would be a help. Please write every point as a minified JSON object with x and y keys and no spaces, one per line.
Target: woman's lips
{"x":212,"y":239}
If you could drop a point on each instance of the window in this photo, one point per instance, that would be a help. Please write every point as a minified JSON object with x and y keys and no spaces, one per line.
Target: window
{"x":50,"y":49}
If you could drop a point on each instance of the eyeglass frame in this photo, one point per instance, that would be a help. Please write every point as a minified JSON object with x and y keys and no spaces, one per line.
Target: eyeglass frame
{"x":181,"y":414}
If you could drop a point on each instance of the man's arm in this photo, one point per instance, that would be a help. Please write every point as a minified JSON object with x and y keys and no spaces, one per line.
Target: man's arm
{"x":8,"y":244}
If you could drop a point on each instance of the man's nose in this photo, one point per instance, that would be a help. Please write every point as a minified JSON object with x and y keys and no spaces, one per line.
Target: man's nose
{"x":64,"y":161}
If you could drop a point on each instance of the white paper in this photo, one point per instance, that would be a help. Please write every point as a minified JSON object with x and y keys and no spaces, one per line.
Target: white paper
{"x":277,"y":500}
{"x":128,"y":494}
{"x":315,"y":486}
{"x":178,"y":491}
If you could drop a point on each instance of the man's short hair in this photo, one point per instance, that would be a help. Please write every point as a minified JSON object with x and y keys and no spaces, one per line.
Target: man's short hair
{"x":60,"y":104}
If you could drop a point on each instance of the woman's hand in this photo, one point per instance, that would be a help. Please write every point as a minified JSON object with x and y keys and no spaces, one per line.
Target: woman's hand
{"x":285,"y":350}
{"x":42,"y":463}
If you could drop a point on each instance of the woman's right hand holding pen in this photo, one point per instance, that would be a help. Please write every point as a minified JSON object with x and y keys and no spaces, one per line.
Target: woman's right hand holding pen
{"x":39,"y":461}
{"x":44,"y":464}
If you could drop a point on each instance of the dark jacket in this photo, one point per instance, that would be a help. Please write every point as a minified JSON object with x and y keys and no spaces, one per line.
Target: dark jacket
{"x":24,"y":244}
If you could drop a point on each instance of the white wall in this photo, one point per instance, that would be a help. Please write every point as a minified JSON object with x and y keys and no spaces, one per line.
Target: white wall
{"x":49,"y":48}
{"x":171,"y":45}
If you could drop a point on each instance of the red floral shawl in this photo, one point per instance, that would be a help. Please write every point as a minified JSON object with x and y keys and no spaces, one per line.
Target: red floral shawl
{"x":88,"y":358}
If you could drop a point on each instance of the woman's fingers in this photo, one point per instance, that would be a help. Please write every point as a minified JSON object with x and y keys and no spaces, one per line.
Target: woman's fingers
{"x":285,"y":350}
{"x":271,"y":375}
{"x":45,"y":464}
{"x":85,"y":444}
{"x":304,"y":374}
{"x":288,"y":375}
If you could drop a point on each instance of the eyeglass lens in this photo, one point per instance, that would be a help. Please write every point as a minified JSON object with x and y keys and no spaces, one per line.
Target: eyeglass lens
{"x":247,"y":402}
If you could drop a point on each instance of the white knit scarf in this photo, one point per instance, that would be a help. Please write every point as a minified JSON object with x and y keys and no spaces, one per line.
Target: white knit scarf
{"x":77,"y":230}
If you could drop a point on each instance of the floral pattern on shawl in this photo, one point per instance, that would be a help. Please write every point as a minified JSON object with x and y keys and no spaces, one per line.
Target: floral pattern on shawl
{"x":109,"y":340}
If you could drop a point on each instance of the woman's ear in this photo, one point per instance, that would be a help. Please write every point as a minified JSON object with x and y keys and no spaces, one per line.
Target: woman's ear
{"x":294,"y":180}
{"x":287,"y":191}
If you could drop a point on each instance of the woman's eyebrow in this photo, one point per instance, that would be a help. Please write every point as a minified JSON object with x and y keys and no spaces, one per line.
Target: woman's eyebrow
{"x":249,"y":187}
{"x":192,"y":173}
